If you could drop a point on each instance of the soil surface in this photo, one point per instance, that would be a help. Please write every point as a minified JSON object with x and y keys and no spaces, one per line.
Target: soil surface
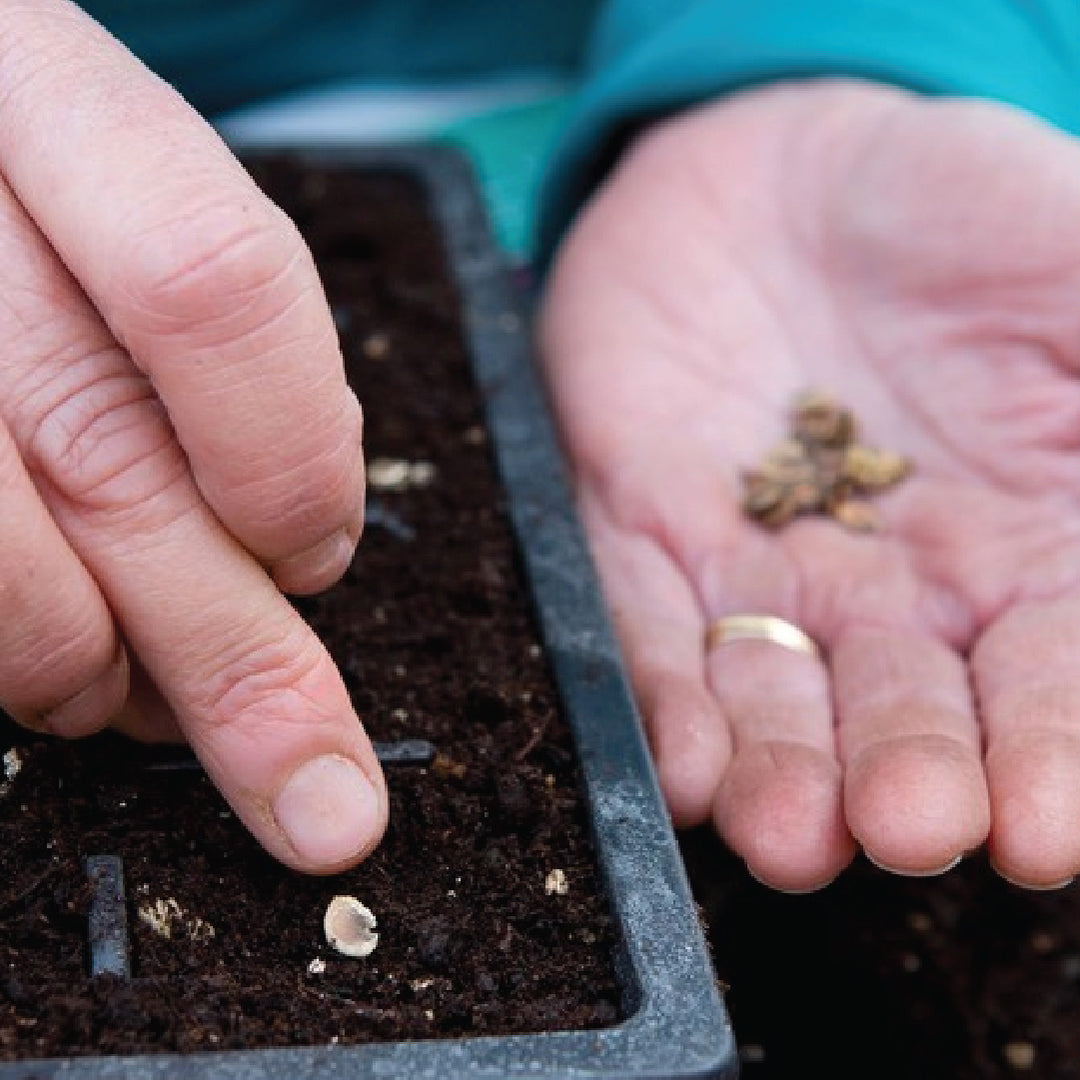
{"x":435,"y":637}
{"x":958,"y":977}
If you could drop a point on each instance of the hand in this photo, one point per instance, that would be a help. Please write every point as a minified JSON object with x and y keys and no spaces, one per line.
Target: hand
{"x":177,"y":443}
{"x":919,"y":260}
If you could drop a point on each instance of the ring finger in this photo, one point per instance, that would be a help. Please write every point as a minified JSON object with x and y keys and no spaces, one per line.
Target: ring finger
{"x":62,"y":667}
{"x":779,"y":804}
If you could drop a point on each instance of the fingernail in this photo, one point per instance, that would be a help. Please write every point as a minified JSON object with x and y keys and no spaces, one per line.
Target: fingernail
{"x":319,"y":566}
{"x":328,"y":811}
{"x":937,"y":871}
{"x":1052,"y":886}
{"x":790,"y":890}
{"x":91,"y":708}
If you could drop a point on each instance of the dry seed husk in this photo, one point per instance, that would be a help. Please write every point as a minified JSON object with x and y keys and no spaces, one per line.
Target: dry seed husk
{"x":820,"y":469}
{"x":818,"y":419}
{"x":855,"y":514}
{"x":869,"y":468}
{"x":349,"y":927}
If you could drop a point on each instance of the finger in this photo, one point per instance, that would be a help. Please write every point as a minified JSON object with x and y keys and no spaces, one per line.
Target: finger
{"x":203,"y":280}
{"x":658,"y":621}
{"x":914,"y":791}
{"x":1025,"y":673}
{"x":255,"y":693}
{"x":62,"y":667}
{"x":779,"y":805}
{"x":146,"y":716}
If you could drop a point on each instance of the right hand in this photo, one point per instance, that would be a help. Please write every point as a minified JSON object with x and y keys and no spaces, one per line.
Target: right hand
{"x":177,"y":444}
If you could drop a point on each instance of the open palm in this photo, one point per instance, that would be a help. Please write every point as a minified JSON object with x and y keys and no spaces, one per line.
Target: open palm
{"x":920,"y":261}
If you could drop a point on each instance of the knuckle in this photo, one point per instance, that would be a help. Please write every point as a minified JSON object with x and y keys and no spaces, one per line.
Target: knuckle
{"x":104,"y":441}
{"x":222,"y":269}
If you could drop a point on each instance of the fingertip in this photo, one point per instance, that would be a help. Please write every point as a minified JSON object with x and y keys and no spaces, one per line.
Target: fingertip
{"x":91,"y":709}
{"x":317,"y":568}
{"x":917,"y":804}
{"x":1034,"y":842}
{"x":330,"y":814}
{"x":1042,"y":882}
{"x":779,"y":808}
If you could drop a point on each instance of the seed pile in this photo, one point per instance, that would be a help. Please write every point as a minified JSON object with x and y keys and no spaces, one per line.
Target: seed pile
{"x":821,"y":468}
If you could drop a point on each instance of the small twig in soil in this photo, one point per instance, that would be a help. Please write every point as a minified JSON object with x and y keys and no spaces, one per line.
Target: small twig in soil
{"x":403,"y":752}
{"x":533,"y":741}
{"x":107,"y":918}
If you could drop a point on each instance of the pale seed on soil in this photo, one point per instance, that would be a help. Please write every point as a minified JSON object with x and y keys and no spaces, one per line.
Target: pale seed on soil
{"x":350,"y":927}
{"x":556,"y":883}
{"x":1020,"y":1055}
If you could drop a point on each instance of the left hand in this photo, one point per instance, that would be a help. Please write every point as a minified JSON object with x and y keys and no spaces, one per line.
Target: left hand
{"x":919,"y":260}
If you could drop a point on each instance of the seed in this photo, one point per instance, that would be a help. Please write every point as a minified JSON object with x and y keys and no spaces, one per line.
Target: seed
{"x":1044,"y":942}
{"x":1020,"y":1054}
{"x":421,"y":473}
{"x":388,"y":474}
{"x":12,"y":764}
{"x":556,"y":883}
{"x":855,"y":514}
{"x":375,"y":346}
{"x":818,"y":419}
{"x":397,"y":474}
{"x":869,"y":468}
{"x":443,"y":766}
{"x":168,"y":919}
{"x":760,"y":494}
{"x":350,"y":927}
{"x":788,"y":462}
{"x":920,"y":922}
{"x":820,"y":469}
{"x":780,"y":513}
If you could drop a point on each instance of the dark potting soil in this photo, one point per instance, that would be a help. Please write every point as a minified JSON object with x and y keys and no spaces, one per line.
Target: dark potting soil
{"x":435,"y":637}
{"x":877,"y":977}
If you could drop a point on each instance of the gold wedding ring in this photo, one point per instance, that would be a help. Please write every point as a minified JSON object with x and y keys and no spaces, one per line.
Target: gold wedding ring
{"x":770,"y":628}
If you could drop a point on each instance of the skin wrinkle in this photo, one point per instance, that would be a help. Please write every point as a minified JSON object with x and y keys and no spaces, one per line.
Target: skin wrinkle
{"x":43,"y":664}
{"x":238,"y":375}
{"x":213,"y":271}
{"x":19,"y":68}
{"x":74,"y":446}
{"x":235,"y":695}
{"x":135,"y":528}
{"x":1063,"y":433}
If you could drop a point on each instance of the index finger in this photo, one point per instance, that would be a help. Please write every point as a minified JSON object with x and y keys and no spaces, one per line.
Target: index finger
{"x":205,"y":282}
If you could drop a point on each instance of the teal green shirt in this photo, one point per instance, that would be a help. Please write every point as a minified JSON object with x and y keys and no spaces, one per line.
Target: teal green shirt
{"x":633,"y":59}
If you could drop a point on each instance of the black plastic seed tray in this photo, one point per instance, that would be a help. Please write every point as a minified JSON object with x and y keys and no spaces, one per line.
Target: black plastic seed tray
{"x":675,"y":1024}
